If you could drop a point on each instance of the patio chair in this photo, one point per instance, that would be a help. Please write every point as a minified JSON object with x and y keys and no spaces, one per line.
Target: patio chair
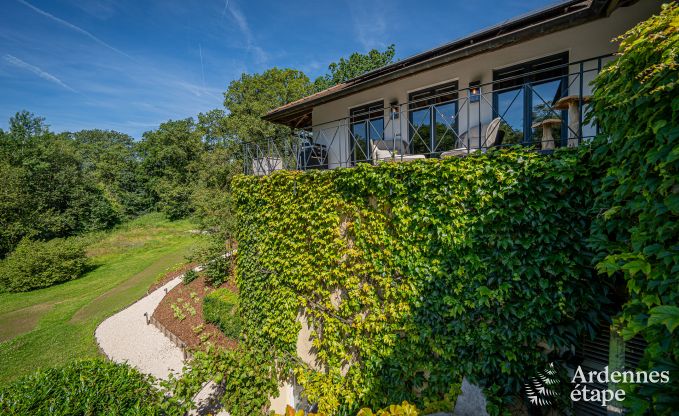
{"x":383,"y":151}
{"x":494,"y":137}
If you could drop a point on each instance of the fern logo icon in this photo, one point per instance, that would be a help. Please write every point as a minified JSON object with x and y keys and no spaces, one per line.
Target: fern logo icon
{"x":539,"y":390}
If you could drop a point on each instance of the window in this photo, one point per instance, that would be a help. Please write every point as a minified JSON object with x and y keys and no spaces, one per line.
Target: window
{"x":432,"y":117}
{"x":525,"y":93}
{"x":366,"y":125}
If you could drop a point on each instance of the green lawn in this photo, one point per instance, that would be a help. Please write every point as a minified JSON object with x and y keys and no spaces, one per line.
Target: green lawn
{"x":51,"y":326}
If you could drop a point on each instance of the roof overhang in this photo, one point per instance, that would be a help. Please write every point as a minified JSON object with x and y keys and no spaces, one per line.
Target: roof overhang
{"x":533,"y":25}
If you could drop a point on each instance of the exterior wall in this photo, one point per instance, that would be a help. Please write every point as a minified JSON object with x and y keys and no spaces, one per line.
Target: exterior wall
{"x":582,"y":42}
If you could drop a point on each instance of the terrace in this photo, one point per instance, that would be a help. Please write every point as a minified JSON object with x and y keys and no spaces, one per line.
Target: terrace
{"x":542,"y":104}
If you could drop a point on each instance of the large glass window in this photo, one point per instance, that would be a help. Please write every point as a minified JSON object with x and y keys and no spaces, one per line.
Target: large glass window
{"x":367,"y":125}
{"x":524,"y":97}
{"x":433,"y":119}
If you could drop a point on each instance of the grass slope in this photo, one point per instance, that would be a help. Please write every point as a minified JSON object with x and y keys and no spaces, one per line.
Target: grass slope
{"x":54,"y":325}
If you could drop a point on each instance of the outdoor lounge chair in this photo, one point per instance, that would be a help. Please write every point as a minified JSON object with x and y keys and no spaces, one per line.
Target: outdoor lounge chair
{"x":494,"y":137}
{"x":383,"y":151}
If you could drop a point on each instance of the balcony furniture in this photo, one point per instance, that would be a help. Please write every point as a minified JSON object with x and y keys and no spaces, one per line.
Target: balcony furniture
{"x":572,"y":104}
{"x":312,"y":156}
{"x":383,"y":151}
{"x":494,"y":138}
{"x":401,"y":146}
{"x":401,"y":158}
{"x":266,"y":165}
{"x":547,"y":137}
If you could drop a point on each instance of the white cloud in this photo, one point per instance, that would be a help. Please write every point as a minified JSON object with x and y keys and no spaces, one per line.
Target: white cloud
{"x":370,"y":25}
{"x":260,"y":54}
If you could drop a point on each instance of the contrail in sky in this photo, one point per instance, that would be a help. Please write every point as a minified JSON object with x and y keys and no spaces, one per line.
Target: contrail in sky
{"x":226,"y":6}
{"x":13,"y":60}
{"x":73,"y":27}
{"x":202,"y":68}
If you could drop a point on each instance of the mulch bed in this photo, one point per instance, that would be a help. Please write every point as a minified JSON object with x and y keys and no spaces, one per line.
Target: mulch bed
{"x":188,"y":329}
{"x":170,"y":275}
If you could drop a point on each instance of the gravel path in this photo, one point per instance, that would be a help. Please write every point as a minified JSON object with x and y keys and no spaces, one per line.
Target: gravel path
{"x":125,"y":337}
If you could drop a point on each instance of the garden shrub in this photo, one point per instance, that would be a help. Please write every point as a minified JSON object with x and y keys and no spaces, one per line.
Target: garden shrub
{"x":38,"y":264}
{"x":414,"y":275}
{"x":221,"y":308}
{"x":636,"y":235}
{"x":93,"y":387}
{"x":189,"y":276}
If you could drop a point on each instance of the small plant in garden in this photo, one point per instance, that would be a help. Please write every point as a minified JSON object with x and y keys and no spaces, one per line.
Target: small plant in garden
{"x":198,"y":328}
{"x":189,"y":276}
{"x":194,"y":296}
{"x":205,"y":336}
{"x":177,"y":312}
{"x":189,"y":309}
{"x":221,"y":308}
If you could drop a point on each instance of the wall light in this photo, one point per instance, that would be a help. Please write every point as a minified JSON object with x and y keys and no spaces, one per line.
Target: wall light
{"x":474,"y":91}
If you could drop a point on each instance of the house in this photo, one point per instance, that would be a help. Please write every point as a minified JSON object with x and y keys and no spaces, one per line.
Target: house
{"x":526,"y":80}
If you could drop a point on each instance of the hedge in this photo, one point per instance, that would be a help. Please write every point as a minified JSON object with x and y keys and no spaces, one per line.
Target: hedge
{"x":220,"y":307}
{"x":92,"y":387}
{"x":413,"y":275}
{"x":37,"y":264}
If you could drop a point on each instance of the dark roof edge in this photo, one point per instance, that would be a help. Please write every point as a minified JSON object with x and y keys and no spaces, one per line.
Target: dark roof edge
{"x":551,"y":19}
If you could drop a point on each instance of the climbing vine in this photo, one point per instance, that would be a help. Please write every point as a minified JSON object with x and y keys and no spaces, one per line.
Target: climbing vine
{"x":411,"y":276}
{"x":636,"y":232}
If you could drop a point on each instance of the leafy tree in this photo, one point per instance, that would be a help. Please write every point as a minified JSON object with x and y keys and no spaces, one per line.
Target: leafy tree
{"x":213,"y":128}
{"x":356,"y":65}
{"x":23,"y":127}
{"x":46,"y":191}
{"x":250,"y":97}
{"x":169,"y":159}
{"x":110,"y":157}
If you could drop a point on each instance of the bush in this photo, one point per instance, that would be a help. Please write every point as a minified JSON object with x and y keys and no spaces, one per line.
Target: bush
{"x":189,"y":276}
{"x":90,"y":387}
{"x":221,"y":308}
{"x":214,"y":257}
{"x":37,"y":264}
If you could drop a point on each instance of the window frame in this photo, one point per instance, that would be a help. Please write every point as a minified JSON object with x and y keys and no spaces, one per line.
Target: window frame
{"x":366,"y":114}
{"x":522,"y":76}
{"x":432,"y":96}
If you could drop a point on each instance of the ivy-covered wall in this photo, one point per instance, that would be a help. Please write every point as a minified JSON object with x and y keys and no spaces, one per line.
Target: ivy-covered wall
{"x":636,"y":233}
{"x":413,"y":275}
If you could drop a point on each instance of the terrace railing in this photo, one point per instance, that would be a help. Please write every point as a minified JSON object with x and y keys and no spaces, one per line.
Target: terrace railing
{"x":544,"y":109}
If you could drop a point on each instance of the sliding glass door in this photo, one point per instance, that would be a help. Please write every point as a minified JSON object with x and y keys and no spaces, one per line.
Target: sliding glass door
{"x":524,"y":96}
{"x":366,"y":126}
{"x":433,"y":119}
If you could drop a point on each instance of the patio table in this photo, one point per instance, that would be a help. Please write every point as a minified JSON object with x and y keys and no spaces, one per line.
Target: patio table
{"x":572,"y":104}
{"x":547,"y":138}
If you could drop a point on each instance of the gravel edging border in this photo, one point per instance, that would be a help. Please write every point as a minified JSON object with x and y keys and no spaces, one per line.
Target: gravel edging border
{"x":172,"y":337}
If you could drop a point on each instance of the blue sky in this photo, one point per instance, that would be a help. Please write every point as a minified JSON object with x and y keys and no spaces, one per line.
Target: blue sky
{"x":129,"y":65}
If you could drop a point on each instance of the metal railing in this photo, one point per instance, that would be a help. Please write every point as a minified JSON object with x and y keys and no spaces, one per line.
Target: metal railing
{"x":544,"y":109}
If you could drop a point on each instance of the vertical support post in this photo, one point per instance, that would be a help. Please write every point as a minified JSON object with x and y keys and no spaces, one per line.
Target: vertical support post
{"x":581,"y":103}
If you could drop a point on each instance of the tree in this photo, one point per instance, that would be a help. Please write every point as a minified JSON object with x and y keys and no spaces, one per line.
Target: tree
{"x":356,"y":65}
{"x":46,"y":190}
{"x":169,"y":160}
{"x":109,"y":156}
{"x":250,"y":97}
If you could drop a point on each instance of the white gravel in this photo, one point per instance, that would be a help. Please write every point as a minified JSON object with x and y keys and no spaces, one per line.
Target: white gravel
{"x":125,"y":337}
